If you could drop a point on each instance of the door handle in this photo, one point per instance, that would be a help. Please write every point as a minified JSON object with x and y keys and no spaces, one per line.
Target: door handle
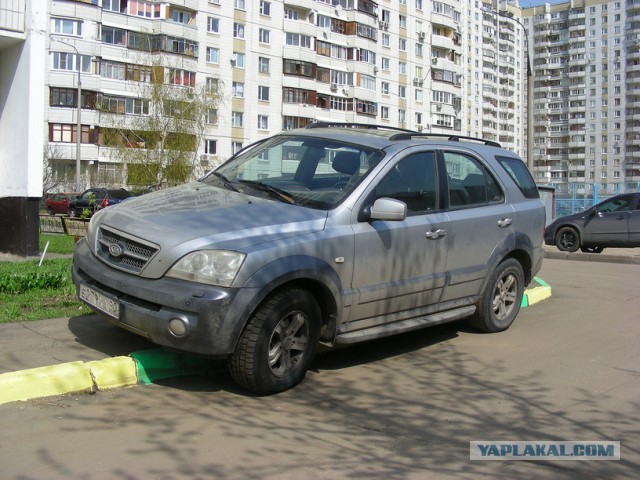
{"x":504,"y":222}
{"x":437,"y":233}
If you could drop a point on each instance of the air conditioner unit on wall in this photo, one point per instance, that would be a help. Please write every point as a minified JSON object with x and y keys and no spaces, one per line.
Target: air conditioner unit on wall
{"x":334,"y":87}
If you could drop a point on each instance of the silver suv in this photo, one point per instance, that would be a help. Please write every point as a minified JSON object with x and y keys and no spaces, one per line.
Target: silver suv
{"x":331,"y":234}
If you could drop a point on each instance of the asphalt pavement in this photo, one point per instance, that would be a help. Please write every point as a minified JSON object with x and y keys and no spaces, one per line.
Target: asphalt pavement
{"x":87,"y":353}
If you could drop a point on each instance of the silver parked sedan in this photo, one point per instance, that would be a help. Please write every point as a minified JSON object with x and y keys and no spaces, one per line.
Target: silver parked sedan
{"x":330,"y":234}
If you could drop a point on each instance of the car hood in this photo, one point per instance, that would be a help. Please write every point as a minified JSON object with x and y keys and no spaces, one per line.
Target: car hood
{"x":198,"y":216}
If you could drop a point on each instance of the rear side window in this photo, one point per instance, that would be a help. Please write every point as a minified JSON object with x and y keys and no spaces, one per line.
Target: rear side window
{"x":519,"y":173}
{"x":119,"y":194}
{"x":470,"y":184}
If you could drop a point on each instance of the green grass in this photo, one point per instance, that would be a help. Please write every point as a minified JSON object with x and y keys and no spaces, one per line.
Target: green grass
{"x":52,"y":296}
{"x":57,"y":243}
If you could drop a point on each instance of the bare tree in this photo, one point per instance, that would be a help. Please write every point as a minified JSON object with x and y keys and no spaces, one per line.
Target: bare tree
{"x":158,"y":145}
{"x":51,"y":178}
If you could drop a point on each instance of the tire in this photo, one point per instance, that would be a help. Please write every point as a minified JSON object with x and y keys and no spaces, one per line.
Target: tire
{"x":567,"y":239}
{"x":278,"y":343}
{"x":71,"y":212}
{"x":50,"y":210}
{"x":501,"y":299}
{"x":596,"y":249}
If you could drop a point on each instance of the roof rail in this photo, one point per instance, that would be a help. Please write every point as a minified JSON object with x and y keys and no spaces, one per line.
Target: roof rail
{"x":356,"y":125}
{"x":408,"y":135}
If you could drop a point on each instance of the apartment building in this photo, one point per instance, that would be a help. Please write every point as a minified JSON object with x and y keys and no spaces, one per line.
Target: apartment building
{"x":22,"y":47}
{"x":275,"y":65}
{"x":586,"y":62}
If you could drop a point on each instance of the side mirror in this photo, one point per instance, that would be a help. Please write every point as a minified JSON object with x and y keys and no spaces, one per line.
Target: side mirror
{"x":388,"y":209}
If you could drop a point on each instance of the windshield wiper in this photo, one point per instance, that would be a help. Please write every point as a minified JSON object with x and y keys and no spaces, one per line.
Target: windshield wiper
{"x":274,"y":191}
{"x":226,"y":181}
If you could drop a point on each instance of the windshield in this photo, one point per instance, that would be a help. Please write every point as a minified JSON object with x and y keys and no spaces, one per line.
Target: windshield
{"x":312,"y":172}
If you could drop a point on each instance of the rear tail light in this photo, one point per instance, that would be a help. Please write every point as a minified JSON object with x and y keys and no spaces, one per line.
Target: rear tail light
{"x":105,"y":203}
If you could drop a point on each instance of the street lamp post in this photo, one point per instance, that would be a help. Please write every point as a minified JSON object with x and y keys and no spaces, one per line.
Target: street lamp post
{"x":510,"y":16}
{"x":78,"y":113}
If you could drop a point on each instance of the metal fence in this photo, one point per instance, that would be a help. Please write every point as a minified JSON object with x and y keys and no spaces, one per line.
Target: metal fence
{"x":573,"y":202}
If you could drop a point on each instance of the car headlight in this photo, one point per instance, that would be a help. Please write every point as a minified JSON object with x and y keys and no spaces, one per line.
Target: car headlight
{"x":214,"y":267}
{"x":92,"y":228}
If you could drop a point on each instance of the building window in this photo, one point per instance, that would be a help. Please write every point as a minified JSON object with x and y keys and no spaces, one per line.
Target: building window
{"x":213,"y":25}
{"x":237,"y":89}
{"x":182,"y":77}
{"x":71,"y":62}
{"x":384,"y":113}
{"x":211,"y":85}
{"x":263,"y":93}
{"x":236,"y":147}
{"x":113,"y":36}
{"x":384,"y":88}
{"x":180,"y":16}
{"x":237,"y":119}
{"x":263,"y":122}
{"x":63,"y":133}
{"x":239,"y":4}
{"x":210,"y":146}
{"x":264,"y":35}
{"x":65,"y":26}
{"x":62,"y":97}
{"x":238,"y":30}
{"x":263,"y":65}
{"x":265,"y":8}
{"x":238,"y":59}
{"x":212,"y":116}
{"x":213,"y":55}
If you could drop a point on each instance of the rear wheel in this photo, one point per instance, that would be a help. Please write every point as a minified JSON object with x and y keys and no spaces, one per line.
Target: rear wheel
{"x":278,"y":343}
{"x":501,"y":300}
{"x":50,"y":210}
{"x":567,"y":239}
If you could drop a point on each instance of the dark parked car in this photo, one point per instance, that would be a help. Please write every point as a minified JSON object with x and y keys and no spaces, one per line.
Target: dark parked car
{"x":59,"y":202}
{"x":614,"y":222}
{"x":95,"y":199}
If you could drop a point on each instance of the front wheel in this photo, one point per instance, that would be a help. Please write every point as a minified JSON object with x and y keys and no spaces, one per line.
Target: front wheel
{"x":278,"y":343}
{"x":501,"y":299}
{"x":567,"y":239}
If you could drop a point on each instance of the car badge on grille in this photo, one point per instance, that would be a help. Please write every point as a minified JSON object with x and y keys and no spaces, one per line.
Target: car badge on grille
{"x":116,"y":250}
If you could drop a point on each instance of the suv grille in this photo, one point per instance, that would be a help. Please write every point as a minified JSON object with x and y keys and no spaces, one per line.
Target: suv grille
{"x":124,"y":252}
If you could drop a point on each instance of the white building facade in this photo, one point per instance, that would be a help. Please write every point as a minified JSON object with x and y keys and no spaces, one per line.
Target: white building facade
{"x":22,"y":60}
{"x":586,"y":131}
{"x":276,"y":65}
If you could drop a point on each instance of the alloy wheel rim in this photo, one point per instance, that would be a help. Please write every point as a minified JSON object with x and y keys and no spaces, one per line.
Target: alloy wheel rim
{"x":505,"y":295}
{"x":288,"y":343}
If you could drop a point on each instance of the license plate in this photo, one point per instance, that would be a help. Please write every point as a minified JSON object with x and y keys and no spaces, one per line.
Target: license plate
{"x":100,"y":301}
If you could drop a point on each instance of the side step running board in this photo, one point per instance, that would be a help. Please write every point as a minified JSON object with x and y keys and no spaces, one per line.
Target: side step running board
{"x":404,"y":325}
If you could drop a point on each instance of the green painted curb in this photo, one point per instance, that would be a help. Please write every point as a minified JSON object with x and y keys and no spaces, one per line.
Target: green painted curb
{"x":155,"y":365}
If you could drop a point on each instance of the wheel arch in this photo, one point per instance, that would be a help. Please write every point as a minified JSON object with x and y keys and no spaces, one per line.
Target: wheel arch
{"x":310,"y":273}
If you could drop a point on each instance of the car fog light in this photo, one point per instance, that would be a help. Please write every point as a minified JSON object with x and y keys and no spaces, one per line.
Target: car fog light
{"x":178,"y":327}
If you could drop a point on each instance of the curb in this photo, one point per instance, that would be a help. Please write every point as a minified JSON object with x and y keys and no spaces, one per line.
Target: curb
{"x":593,"y":257}
{"x":99,"y":375}
{"x":141,"y":367}
{"x":535,"y":294}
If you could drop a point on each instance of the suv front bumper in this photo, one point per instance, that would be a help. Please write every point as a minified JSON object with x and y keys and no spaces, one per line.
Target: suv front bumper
{"x":212,"y":317}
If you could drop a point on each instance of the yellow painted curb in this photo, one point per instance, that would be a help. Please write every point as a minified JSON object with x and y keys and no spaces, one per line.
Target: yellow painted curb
{"x":538,"y":294}
{"x":113,"y":372}
{"x":45,"y":381}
